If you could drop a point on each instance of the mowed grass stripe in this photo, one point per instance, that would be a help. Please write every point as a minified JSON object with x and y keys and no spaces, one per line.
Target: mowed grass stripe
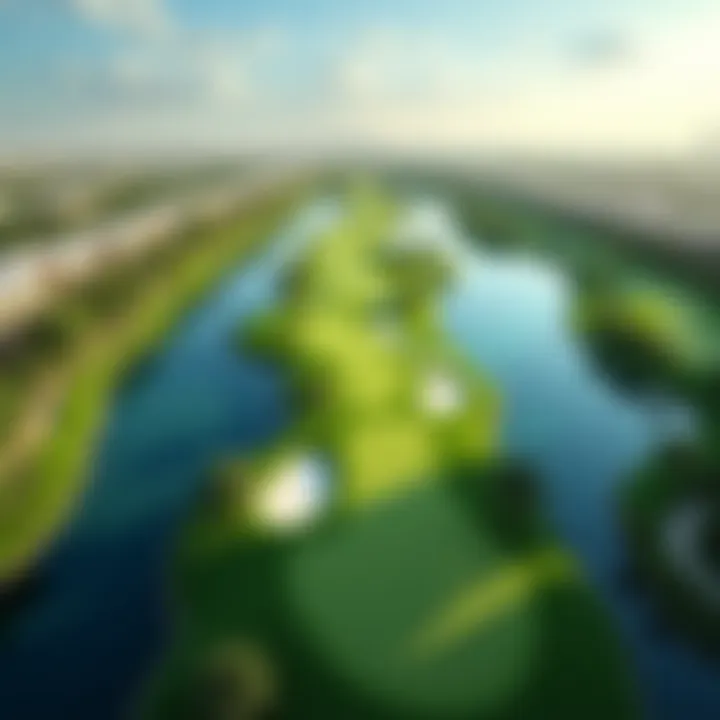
{"x":483,"y":601}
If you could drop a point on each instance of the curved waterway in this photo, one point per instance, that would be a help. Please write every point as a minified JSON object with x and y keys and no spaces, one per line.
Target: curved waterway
{"x":510,"y":315}
{"x":82,"y":648}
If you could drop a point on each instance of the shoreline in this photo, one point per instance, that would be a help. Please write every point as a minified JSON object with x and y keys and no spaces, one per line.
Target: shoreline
{"x":37,"y":503}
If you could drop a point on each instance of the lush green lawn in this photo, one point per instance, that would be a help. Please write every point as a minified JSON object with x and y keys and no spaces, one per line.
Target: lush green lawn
{"x":400,"y":598}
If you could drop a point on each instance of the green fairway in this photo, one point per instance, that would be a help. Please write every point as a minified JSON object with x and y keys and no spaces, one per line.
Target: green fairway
{"x":396,"y":592}
{"x":370,"y":597}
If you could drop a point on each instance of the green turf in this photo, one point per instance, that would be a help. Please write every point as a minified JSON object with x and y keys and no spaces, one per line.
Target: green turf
{"x":402,"y":598}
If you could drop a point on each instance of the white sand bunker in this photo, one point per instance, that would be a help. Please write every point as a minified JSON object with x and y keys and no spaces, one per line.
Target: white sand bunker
{"x":294,"y":494}
{"x":441,"y":394}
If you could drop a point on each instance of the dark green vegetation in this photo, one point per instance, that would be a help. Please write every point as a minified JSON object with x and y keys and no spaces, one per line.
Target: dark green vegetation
{"x":422,"y":580}
{"x":642,"y":340}
{"x":655,"y":347}
{"x":82,"y":349}
{"x":681,"y":485}
{"x":236,"y":682}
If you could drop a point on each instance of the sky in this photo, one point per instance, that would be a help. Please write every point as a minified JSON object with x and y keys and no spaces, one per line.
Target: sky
{"x":560,"y":77}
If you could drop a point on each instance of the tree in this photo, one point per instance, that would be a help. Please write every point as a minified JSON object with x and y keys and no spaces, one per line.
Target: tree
{"x":227,"y":489}
{"x":515,"y":502}
{"x":234,"y":682}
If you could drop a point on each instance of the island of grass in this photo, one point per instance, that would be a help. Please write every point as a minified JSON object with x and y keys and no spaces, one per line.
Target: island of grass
{"x":644,"y":341}
{"x":382,"y":559}
{"x":93,"y":340}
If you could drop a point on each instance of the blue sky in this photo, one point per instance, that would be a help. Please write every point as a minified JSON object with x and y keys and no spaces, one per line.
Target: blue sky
{"x":556,"y":75}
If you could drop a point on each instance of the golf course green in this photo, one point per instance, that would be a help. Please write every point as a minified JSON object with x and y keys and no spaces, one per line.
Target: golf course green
{"x":377,"y":561}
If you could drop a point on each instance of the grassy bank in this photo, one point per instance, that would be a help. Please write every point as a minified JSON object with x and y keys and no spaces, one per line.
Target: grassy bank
{"x":423,"y":581}
{"x":35,"y":505}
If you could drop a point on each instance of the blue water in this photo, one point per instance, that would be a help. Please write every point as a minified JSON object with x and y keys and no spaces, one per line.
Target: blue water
{"x":511,"y":316}
{"x":83,"y":648}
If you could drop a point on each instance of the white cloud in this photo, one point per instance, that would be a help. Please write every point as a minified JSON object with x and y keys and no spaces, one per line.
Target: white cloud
{"x":234,"y":69}
{"x":387,"y":65}
{"x":422,"y":92}
{"x":219,"y":70}
{"x":182,"y":87}
{"x":129,"y":15}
